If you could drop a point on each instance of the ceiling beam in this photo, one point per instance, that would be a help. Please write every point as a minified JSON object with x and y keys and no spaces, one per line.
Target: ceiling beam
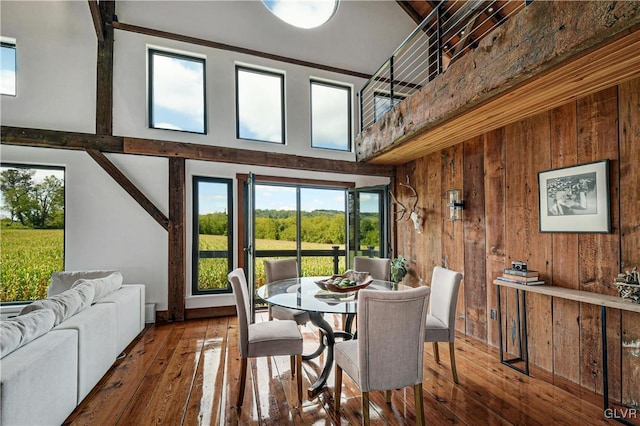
{"x":409,"y":10}
{"x":124,"y":145}
{"x":237,"y":49}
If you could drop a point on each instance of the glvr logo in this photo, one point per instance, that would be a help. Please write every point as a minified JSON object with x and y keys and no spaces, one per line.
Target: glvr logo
{"x":621,"y":413}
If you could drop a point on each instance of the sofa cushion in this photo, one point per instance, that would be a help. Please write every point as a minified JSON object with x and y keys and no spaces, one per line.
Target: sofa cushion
{"x":63,"y":280}
{"x":96,"y":328}
{"x":63,"y":305}
{"x":20,"y":330}
{"x":102,"y":286}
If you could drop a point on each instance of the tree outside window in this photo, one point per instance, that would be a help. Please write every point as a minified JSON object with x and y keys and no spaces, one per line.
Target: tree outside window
{"x":32,"y":227}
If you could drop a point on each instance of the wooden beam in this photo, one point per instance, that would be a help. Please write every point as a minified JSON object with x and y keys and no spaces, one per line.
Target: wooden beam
{"x":42,"y":138}
{"x":237,"y":49}
{"x":177,"y":247}
{"x":104,"y":83}
{"x":97,"y":19}
{"x":599,"y":51}
{"x":129,"y":186}
{"x":70,"y":140}
{"x":409,"y":10}
{"x":245,"y":156}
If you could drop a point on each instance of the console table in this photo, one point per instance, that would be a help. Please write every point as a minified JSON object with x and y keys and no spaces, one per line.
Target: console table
{"x":602,"y":300}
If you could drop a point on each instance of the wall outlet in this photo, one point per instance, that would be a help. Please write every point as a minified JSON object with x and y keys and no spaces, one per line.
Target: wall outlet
{"x":494,"y":314}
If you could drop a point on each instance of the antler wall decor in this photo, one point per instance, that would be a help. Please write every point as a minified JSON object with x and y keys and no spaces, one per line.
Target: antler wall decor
{"x":402,"y":210}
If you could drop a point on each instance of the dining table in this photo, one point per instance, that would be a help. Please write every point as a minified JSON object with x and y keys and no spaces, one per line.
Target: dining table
{"x":305,"y":293}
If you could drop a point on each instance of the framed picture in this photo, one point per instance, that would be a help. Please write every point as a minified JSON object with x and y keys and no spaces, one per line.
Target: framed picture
{"x":575,"y":199}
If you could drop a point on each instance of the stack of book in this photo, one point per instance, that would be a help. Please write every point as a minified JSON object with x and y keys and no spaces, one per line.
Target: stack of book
{"x":520,"y":277}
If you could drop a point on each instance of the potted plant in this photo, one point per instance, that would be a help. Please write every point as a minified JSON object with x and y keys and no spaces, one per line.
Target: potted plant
{"x":399,"y":268}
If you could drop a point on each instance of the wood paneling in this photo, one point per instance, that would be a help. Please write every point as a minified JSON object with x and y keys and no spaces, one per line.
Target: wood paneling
{"x":629,"y":113}
{"x":475,"y":294}
{"x":453,"y":231}
{"x":564,"y":336}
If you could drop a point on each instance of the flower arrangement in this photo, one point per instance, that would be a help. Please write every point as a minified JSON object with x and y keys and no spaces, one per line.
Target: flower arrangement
{"x":399,"y":268}
{"x":628,"y":285}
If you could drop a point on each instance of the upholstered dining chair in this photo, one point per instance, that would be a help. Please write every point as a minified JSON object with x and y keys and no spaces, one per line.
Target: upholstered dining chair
{"x":389,"y":350}
{"x":378,"y":268}
{"x":441,"y":319}
{"x":281,"y":269}
{"x":269,"y":338}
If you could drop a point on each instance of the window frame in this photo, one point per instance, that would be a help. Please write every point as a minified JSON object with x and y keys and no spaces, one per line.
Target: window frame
{"x":195,"y":252}
{"x":151,"y":51}
{"x":345,"y":87}
{"x":281,"y":77}
{"x":4,"y":43}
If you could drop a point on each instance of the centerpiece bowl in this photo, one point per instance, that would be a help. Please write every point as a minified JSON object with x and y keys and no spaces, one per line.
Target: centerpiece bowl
{"x":347,"y":282}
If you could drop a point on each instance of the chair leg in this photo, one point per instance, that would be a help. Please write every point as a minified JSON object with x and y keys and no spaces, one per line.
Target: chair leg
{"x":243,"y":379}
{"x":292,"y":360}
{"x":365,"y":409}
{"x":417,"y":392}
{"x":270,"y":314}
{"x":436,"y":354}
{"x":338,"y":388}
{"x":452,"y":355}
{"x":299,"y":378}
{"x":387,"y":396}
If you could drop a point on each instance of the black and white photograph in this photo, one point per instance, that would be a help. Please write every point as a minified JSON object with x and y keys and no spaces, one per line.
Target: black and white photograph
{"x":575,"y":199}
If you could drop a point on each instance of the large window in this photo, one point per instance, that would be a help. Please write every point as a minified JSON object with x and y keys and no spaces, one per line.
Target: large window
{"x":330,"y":116}
{"x":7,"y":68}
{"x":259,"y":105}
{"x":177,"y":92}
{"x":32,"y":228}
{"x":212,"y":235}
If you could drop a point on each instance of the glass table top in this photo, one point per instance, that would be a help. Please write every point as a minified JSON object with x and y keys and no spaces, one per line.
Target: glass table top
{"x":303,"y":293}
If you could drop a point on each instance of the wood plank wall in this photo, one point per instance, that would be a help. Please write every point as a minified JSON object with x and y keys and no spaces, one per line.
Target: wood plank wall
{"x":498,"y":174}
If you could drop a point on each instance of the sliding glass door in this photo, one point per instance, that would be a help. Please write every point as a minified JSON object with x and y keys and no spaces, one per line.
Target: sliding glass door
{"x":368,"y":222}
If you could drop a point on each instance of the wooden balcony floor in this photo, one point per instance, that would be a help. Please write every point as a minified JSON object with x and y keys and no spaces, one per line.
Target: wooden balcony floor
{"x":186,"y":373}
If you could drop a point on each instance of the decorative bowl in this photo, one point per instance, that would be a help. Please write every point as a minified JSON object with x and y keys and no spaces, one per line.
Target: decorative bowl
{"x":361,"y":279}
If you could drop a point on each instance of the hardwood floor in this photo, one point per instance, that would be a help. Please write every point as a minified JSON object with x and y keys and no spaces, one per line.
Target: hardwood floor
{"x":186,"y":373}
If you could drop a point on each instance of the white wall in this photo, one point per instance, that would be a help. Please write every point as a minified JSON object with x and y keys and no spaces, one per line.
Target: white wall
{"x":56,"y":50}
{"x":104,"y":227}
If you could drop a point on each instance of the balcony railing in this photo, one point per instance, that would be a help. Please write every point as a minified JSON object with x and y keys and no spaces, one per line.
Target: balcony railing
{"x":448,"y":32}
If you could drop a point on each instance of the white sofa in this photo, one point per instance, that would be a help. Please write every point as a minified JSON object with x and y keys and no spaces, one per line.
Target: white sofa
{"x":57,"y":349}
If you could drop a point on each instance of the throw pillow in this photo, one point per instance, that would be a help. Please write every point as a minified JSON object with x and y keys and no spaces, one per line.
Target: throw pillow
{"x":102,"y":286}
{"x":63,"y":280}
{"x":18,"y":331}
{"x":63,"y":305}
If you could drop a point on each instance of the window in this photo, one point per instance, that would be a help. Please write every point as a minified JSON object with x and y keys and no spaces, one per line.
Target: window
{"x":32,"y":221}
{"x":8,"y":68}
{"x":259,"y":105}
{"x":176,"y":92}
{"x":330,"y":116}
{"x":212,"y":235}
{"x":382,"y":103}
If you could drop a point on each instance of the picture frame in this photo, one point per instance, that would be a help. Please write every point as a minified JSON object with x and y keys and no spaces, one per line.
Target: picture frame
{"x":575,"y":198}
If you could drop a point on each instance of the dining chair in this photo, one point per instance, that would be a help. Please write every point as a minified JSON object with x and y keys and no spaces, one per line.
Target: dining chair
{"x":269,"y":338}
{"x":378,"y":268}
{"x":281,"y":269}
{"x":388,"y":353}
{"x":441,"y":319}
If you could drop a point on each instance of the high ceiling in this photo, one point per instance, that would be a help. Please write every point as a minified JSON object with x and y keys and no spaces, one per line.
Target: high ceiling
{"x":464,"y":22}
